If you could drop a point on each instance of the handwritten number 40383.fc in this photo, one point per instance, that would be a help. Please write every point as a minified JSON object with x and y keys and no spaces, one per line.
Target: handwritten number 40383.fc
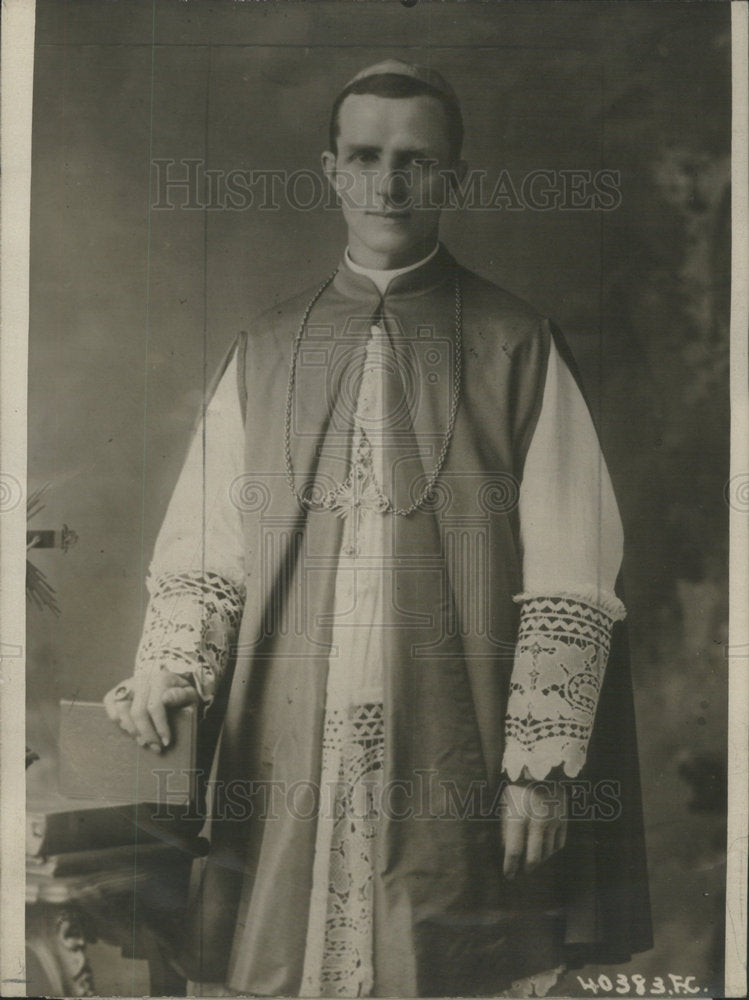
{"x":677,"y":986}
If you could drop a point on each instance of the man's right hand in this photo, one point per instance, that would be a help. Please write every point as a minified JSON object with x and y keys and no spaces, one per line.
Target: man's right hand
{"x":139,"y":705}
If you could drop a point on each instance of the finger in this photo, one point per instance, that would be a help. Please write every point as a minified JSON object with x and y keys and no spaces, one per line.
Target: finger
{"x":512,"y":805}
{"x":146,"y":734}
{"x":534,"y":851}
{"x":157,"y":713}
{"x":109,"y":704}
{"x":514,"y":838}
{"x":513,"y":860}
{"x":123,"y":718}
{"x":178,"y":697}
{"x":558,"y":840}
{"x":550,"y":840}
{"x":172,"y":697}
{"x":562,"y":835}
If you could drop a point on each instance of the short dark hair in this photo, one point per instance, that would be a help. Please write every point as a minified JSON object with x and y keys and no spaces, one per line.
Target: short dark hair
{"x":396,"y":85}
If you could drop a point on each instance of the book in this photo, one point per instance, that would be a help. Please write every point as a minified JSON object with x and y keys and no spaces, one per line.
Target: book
{"x":136,"y":856}
{"x":98,"y":760}
{"x":114,"y":792}
{"x":58,"y":825}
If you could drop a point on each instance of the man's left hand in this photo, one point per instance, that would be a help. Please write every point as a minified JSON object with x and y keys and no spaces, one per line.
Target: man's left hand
{"x":534,"y":824}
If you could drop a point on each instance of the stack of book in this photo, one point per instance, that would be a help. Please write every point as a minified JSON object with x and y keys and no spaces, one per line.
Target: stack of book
{"x":122,"y":813}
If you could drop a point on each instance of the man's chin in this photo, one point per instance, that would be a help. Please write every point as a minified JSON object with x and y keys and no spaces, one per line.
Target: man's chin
{"x":397,"y":245}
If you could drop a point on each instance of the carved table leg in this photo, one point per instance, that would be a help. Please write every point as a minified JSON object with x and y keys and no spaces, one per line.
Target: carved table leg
{"x":56,"y":939}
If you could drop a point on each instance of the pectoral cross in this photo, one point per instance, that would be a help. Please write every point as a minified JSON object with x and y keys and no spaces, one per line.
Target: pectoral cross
{"x":359,"y":493}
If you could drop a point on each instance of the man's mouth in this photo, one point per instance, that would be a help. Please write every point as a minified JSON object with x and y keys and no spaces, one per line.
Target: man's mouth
{"x":389,"y":213}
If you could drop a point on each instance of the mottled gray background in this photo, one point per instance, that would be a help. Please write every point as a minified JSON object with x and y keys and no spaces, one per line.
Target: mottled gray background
{"x":130,"y":308}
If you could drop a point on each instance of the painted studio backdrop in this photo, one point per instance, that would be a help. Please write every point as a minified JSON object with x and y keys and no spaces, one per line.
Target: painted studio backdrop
{"x":134,"y":302}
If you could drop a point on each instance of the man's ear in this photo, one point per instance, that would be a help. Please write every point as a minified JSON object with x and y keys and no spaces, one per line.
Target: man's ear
{"x":328,"y":160}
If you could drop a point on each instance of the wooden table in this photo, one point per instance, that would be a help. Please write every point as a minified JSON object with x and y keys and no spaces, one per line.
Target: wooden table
{"x":136,"y":907}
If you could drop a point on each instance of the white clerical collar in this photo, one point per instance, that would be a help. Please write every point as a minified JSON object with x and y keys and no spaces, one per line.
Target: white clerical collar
{"x":383,"y":278}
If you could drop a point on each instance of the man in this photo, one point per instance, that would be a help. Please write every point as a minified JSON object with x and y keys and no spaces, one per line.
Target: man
{"x":389,"y":570}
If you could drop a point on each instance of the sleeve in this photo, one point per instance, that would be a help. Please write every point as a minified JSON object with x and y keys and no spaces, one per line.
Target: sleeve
{"x":572,"y":541}
{"x":196,"y":577}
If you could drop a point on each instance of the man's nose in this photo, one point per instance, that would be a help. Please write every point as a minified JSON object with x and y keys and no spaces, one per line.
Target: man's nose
{"x":393,"y":186}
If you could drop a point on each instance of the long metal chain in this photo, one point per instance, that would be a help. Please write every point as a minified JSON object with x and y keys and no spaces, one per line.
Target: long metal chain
{"x":423,"y":498}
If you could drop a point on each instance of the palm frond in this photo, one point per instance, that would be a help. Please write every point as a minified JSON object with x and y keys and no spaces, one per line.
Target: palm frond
{"x":38,"y":590}
{"x":34,"y":502}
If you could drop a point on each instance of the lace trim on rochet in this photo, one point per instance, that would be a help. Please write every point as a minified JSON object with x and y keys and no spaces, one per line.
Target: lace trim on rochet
{"x":339,"y":960}
{"x":190,"y":628}
{"x":339,"y":952}
{"x":561,"y":655}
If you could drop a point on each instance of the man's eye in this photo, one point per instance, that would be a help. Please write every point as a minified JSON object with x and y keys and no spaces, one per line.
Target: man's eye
{"x":364,"y":156}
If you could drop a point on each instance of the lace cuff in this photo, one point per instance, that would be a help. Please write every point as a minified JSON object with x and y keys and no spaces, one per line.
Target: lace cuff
{"x":190,"y":628}
{"x":562,"y":652}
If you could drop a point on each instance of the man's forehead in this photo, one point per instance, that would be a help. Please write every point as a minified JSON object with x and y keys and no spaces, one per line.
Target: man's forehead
{"x":418,"y":117}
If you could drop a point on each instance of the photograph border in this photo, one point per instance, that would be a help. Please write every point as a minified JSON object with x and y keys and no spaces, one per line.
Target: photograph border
{"x":17,"y":98}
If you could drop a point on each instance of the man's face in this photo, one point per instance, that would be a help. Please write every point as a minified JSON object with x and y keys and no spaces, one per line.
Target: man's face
{"x":387,"y":172}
